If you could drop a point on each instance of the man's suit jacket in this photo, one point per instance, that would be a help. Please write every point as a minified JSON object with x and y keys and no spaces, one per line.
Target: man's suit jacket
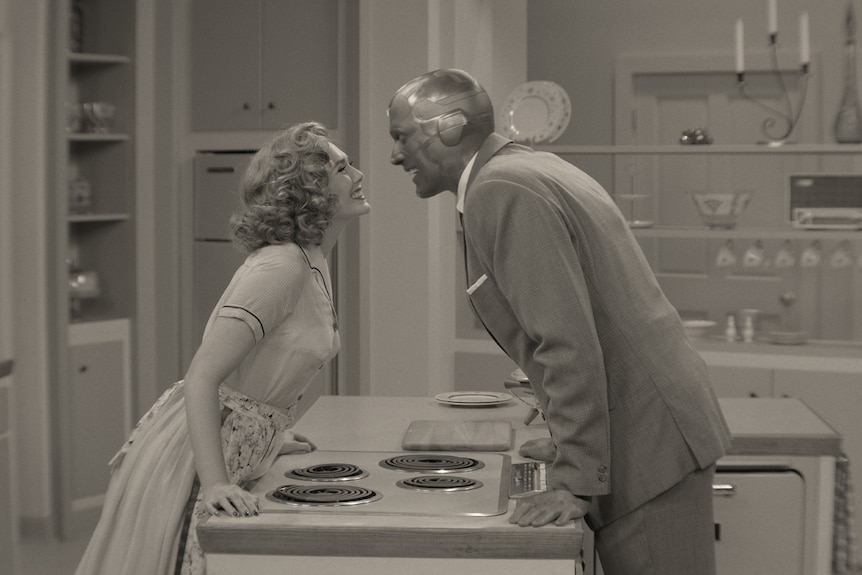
{"x":560,"y":283}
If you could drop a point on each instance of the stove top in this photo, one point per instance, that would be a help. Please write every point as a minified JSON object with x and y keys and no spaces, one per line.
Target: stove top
{"x":388,"y":483}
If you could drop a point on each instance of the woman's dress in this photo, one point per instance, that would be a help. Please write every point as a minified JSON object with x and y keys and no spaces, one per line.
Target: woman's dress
{"x":147,"y":524}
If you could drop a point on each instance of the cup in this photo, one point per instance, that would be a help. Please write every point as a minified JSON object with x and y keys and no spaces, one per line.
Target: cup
{"x":786,"y":256}
{"x":841,"y":257}
{"x":753,"y":256}
{"x":726,"y":256}
{"x":811,"y":256}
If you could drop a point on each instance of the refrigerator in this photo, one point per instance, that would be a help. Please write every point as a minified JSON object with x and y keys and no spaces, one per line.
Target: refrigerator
{"x":215,"y":258}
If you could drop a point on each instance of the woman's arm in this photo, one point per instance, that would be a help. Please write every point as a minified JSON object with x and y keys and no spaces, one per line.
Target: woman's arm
{"x":227,"y":342}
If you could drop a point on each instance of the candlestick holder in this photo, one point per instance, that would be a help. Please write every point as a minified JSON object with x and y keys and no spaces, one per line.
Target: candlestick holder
{"x":790,"y":115}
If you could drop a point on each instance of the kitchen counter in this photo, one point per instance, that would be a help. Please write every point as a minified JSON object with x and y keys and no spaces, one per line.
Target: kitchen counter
{"x":349,"y":423}
{"x":763,"y":426}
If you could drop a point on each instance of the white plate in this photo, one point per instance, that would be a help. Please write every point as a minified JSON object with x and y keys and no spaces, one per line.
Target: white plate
{"x":536,"y":112}
{"x":474,"y":398}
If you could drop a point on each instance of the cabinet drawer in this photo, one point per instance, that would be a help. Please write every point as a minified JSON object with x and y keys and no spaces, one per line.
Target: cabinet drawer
{"x":759,"y":522}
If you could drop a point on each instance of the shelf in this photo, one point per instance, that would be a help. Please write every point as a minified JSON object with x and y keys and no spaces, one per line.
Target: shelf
{"x":97,"y":218}
{"x":97,"y":59}
{"x":88,"y":137}
{"x":758,"y":233}
{"x":704,"y":149}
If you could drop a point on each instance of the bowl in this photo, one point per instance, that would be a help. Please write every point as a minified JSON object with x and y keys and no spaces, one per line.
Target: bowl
{"x":721,"y":210}
{"x":697,"y":327}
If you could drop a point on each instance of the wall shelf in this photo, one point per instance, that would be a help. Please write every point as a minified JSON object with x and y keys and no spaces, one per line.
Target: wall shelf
{"x":97,"y":218}
{"x":751,"y":233}
{"x":702,"y":149}
{"x":97,"y":59}
{"x":98,"y":138}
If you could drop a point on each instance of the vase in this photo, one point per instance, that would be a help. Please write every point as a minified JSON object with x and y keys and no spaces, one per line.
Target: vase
{"x":848,"y":121}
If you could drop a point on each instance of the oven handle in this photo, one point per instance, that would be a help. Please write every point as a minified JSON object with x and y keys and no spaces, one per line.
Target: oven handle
{"x":723,"y":489}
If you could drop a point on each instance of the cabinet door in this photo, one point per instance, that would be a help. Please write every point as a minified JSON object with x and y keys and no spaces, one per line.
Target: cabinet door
{"x":734,"y":381}
{"x":299,"y":62}
{"x":97,"y":422}
{"x":225,"y":56}
{"x":759,"y":518}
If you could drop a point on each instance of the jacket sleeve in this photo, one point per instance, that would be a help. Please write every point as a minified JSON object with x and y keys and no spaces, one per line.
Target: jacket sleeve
{"x":525,"y":240}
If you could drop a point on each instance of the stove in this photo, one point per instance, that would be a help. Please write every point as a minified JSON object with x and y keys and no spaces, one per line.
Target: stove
{"x":387,"y":483}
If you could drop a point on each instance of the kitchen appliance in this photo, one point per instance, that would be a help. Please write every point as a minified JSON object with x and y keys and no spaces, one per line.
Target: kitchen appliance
{"x":389,"y":483}
{"x":215,"y":259}
{"x":825,"y":201}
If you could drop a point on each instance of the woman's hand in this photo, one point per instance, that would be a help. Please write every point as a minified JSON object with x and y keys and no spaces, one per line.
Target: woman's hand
{"x":231,"y":498}
{"x":542,"y":449}
{"x":295,"y":443}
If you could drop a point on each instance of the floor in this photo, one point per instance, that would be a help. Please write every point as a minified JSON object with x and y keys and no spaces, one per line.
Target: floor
{"x":51,"y":557}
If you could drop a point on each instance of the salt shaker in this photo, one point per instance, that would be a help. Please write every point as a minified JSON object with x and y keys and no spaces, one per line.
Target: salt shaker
{"x":730,"y":331}
{"x":748,"y":330}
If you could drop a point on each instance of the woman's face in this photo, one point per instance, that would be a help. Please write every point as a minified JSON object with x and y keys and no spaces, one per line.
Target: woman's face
{"x":346,"y":182}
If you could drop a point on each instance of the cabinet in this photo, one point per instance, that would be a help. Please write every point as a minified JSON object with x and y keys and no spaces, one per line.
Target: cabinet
{"x":7,"y":524}
{"x":93,"y":246}
{"x":263,"y":64}
{"x":99,"y":411}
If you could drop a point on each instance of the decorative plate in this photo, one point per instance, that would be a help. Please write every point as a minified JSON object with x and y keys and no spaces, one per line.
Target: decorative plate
{"x":473,"y":398}
{"x":536,"y":112}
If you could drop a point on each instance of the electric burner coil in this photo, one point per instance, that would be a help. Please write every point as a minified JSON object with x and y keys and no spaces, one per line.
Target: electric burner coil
{"x":328,"y":472}
{"x":317,"y":496}
{"x":431,"y":463}
{"x":437,"y":483}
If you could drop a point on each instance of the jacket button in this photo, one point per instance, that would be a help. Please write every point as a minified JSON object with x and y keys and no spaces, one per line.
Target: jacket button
{"x":603,"y":477}
{"x":603,"y":468}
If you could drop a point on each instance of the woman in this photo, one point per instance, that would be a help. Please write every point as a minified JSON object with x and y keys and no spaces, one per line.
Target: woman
{"x":270,"y":333}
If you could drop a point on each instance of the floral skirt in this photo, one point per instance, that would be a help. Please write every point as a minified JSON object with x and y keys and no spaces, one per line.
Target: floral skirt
{"x":142,"y":524}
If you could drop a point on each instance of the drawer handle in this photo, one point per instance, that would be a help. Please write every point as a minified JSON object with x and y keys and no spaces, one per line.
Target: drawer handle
{"x":723,"y":489}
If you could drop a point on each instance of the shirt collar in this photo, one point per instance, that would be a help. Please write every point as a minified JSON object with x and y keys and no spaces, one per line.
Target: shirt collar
{"x":462,"y":183}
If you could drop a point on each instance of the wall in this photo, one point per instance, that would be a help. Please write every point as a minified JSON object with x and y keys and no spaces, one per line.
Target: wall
{"x":594,"y":34}
{"x":407,"y":245}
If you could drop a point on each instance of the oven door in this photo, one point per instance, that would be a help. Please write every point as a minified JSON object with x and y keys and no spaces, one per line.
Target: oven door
{"x":759,"y":522}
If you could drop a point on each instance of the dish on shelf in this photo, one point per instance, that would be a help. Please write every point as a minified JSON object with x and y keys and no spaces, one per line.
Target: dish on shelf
{"x":640,"y":224}
{"x":535,"y":112}
{"x":697,"y":327}
{"x":473,"y":398}
{"x":721,"y":210}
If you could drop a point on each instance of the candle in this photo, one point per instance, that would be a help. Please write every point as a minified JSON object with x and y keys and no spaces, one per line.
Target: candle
{"x":773,"y":18}
{"x":804,"y":47}
{"x":740,"y":49}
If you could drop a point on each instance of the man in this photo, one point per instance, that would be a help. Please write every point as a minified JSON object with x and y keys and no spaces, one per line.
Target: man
{"x":560,"y":283}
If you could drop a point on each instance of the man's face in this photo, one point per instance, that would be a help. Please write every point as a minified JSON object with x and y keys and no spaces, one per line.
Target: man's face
{"x":435,"y":167}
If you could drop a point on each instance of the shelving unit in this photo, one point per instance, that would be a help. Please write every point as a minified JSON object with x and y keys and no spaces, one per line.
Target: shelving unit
{"x":91,"y":355}
{"x":684,"y":252}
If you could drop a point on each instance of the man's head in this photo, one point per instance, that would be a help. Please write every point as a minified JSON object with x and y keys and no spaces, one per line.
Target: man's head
{"x":437,"y":122}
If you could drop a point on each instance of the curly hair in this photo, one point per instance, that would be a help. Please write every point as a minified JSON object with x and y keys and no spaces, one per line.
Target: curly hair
{"x":283,"y":191}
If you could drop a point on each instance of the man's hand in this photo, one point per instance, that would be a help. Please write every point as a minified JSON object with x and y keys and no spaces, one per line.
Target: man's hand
{"x":541,"y":449}
{"x":557,"y":506}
